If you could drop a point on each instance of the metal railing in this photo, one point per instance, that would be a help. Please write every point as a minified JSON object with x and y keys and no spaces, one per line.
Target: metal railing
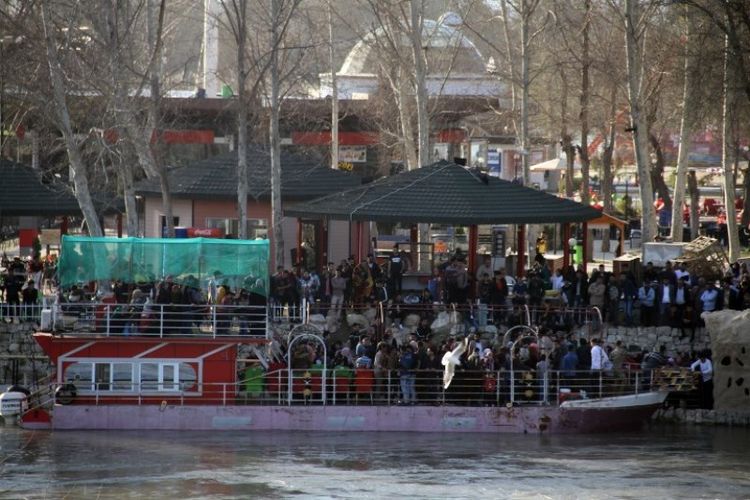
{"x":160,"y":320}
{"x":342,"y":386}
{"x":21,"y":312}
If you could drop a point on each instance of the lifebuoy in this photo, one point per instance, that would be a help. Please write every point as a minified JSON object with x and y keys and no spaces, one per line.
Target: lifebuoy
{"x":65,"y":394}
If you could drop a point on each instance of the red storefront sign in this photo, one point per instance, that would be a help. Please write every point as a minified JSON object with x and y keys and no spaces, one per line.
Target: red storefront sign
{"x":198,"y":232}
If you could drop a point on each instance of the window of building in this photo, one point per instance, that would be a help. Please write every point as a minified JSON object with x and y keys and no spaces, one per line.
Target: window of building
{"x":152,"y":376}
{"x":256,"y":228}
{"x":102,"y":374}
{"x":188,"y":377}
{"x":79,"y":374}
{"x":122,"y":376}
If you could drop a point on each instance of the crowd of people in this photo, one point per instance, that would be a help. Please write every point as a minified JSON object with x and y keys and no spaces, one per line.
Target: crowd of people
{"x":19,"y":287}
{"x":668,"y":296}
{"x":412,"y":372}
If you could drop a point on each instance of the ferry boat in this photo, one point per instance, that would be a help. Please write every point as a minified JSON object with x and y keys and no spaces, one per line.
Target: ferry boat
{"x":219,"y":367}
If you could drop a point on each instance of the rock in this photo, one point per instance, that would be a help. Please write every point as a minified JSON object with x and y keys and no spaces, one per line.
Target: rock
{"x":317,"y":318}
{"x":357,"y":319}
{"x":729,"y":332}
{"x":412,"y":320}
{"x":489,"y":330}
{"x":371,"y":314}
{"x":442,"y":324}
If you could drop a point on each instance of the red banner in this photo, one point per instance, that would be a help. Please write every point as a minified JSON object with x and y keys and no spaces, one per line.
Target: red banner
{"x":197,"y":232}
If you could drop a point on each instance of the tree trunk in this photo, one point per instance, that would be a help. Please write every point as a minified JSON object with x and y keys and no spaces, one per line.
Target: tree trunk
{"x":334,"y":92}
{"x":77,"y":168}
{"x":694,"y":204}
{"x":242,"y":121}
{"x":423,"y":118}
{"x":128,"y":193}
{"x":638,"y":119}
{"x":275,"y":140}
{"x":420,"y":90}
{"x":154,"y":156}
{"x":657,"y":174}
{"x":745,"y":221}
{"x":585,"y":63}
{"x":122,"y":116}
{"x":511,"y":64}
{"x":607,"y":177}
{"x":566,"y":143}
{"x":728,"y":107}
{"x":686,"y":130}
{"x":525,"y":84}
{"x":410,"y":149}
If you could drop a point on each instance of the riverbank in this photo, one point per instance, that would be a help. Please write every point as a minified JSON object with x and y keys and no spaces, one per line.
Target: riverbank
{"x":703,"y":417}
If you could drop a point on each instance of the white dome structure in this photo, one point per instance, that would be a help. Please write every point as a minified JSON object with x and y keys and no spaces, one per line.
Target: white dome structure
{"x":455,"y":67}
{"x":444,"y":45}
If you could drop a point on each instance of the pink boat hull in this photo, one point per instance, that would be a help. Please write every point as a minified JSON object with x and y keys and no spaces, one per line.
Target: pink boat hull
{"x":528,"y":419}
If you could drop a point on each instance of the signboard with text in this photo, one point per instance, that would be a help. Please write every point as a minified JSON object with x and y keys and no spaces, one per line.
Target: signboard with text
{"x":353,"y":154}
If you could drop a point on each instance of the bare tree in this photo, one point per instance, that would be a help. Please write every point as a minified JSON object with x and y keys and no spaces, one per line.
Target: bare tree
{"x":235,"y":12}
{"x":78,"y":171}
{"x":686,"y":126}
{"x":334,"y":91}
{"x":729,"y":185}
{"x":636,"y":25}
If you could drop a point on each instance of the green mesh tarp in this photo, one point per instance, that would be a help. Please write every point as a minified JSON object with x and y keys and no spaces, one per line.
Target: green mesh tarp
{"x":238,"y":263}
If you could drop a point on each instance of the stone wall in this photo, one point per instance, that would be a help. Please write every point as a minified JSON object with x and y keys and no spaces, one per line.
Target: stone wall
{"x":650,"y":338}
{"x":18,"y":346}
{"x":703,"y":417}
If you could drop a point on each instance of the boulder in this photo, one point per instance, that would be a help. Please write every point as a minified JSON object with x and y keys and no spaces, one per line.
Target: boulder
{"x":357,"y":319}
{"x":730,"y":347}
{"x":412,"y":320}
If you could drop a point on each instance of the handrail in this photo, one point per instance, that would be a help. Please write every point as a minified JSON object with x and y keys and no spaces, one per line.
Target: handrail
{"x":161,"y":320}
{"x":338,"y":386}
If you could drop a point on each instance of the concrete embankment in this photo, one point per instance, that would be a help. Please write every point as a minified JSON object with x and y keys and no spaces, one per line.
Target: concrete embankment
{"x":703,"y":417}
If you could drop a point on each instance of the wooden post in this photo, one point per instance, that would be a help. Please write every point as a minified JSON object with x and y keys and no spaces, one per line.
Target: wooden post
{"x":565,"y":245}
{"x":473,"y":237}
{"x":299,"y":244}
{"x":119,"y":225}
{"x":414,"y":247}
{"x":521,"y":251}
{"x":64,"y":225}
{"x":585,"y":245}
{"x":359,"y":241}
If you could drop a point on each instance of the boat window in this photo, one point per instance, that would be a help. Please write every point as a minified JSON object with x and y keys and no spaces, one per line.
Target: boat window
{"x":187,"y":377}
{"x":79,"y":374}
{"x":102,"y":373}
{"x":168,"y":380}
{"x":122,"y":377}
{"x":149,"y":376}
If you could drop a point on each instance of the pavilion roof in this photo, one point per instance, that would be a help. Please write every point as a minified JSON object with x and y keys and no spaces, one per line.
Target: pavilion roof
{"x":302,"y":177}
{"x":445,"y":193}
{"x":24,"y":193}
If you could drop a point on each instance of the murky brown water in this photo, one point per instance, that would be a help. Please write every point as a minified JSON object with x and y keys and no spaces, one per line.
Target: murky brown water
{"x":658,"y":462}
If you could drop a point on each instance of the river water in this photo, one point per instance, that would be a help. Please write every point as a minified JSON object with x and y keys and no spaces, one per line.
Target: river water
{"x":658,"y":462}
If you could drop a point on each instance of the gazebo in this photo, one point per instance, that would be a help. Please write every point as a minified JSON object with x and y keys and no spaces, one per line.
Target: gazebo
{"x":23,"y":192}
{"x":447,"y":193}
